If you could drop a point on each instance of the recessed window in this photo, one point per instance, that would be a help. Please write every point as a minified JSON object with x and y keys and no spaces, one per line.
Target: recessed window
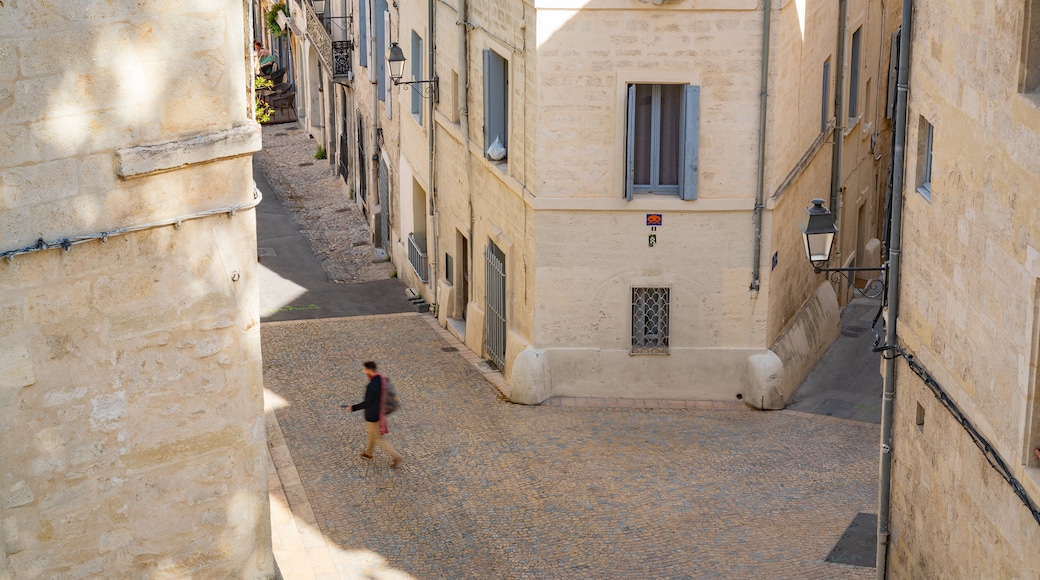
{"x":650,"y":320}
{"x":449,"y":269}
{"x":496,"y":106}
{"x":925,"y":140}
{"x":920,"y":418}
{"x":661,"y":140}
{"x":826,"y":92}
{"x":854,"y":66}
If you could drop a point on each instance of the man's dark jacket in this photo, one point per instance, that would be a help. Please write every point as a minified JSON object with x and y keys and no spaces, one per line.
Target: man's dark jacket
{"x":373,"y":397}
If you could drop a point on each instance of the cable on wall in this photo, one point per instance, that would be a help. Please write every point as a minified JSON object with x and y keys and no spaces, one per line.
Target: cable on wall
{"x":67,"y":243}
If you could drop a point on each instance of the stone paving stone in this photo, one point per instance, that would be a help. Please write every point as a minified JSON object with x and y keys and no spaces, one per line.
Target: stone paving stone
{"x":490,"y":489}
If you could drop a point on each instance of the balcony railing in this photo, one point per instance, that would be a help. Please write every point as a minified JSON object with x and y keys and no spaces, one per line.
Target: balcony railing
{"x":341,"y":59}
{"x":319,"y":37}
{"x":418,"y":259}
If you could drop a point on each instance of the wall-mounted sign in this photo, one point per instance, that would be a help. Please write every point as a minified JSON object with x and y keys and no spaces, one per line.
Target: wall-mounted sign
{"x":653,"y":219}
{"x":776,"y":260}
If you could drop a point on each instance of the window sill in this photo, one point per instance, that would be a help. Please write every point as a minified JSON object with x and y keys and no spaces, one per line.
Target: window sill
{"x":926,"y":192}
{"x":852,"y":125}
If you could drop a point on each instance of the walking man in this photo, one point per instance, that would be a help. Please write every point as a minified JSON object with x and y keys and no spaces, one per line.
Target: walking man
{"x":375,"y":418}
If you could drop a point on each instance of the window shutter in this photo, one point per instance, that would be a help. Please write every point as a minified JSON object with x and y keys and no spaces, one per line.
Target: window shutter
{"x":630,"y":142}
{"x":488,"y":137}
{"x":501,"y":85}
{"x":691,"y":126}
{"x":363,"y":31}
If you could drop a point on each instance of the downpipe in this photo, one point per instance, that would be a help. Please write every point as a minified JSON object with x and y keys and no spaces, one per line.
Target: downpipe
{"x":839,"y":125}
{"x":894,"y":253}
{"x":756,"y":266}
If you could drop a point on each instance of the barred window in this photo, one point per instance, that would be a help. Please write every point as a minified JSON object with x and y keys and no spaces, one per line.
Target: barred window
{"x":650,"y":321}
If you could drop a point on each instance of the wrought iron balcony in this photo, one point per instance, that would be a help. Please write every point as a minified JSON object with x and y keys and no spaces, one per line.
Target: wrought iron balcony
{"x":341,"y":59}
{"x":319,"y":36}
{"x":418,"y":259}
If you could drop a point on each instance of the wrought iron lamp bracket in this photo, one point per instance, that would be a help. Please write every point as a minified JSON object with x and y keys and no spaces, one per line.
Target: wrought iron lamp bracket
{"x":431,"y":90}
{"x":875,"y":288}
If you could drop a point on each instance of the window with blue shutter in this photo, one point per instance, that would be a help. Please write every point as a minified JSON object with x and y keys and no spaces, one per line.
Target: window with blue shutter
{"x":379,"y":18}
{"x":363,"y":31}
{"x":661,"y":149}
{"x":496,"y":100}
{"x":417,"y":75}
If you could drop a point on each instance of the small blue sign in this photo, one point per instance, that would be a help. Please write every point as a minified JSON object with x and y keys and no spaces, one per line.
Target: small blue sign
{"x":654,"y":219}
{"x":776,"y":260}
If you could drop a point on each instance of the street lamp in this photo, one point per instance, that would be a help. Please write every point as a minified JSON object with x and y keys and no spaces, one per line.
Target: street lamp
{"x":395,"y":60}
{"x":818,"y":233}
{"x":818,"y":238}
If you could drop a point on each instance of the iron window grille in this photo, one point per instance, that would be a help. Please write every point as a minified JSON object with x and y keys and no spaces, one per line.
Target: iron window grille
{"x":650,"y":320}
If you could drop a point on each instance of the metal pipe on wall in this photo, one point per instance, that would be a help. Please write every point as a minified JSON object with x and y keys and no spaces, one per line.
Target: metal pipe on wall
{"x":756,"y":266}
{"x":463,"y":110}
{"x":894,"y":251}
{"x":839,"y":124}
{"x":431,"y":53}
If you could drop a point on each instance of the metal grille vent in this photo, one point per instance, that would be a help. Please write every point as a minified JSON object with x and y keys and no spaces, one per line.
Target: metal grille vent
{"x":650,"y":320}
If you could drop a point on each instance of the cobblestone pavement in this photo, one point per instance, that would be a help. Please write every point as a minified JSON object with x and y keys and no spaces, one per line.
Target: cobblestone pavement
{"x":493,"y":490}
{"x":317,"y":200}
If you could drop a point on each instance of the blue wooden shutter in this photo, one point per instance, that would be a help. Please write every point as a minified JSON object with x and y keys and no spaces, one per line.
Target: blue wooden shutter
{"x":363,"y":31}
{"x":630,"y":142}
{"x":379,"y":18}
{"x":691,"y":126}
{"x":488,"y":138}
{"x":417,"y":66}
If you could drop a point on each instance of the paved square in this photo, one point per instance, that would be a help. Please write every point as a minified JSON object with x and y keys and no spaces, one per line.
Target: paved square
{"x":495,"y":490}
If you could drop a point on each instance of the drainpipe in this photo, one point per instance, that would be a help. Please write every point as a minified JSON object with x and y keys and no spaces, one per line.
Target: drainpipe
{"x":839,"y":122}
{"x":430,"y":135}
{"x":894,"y":251}
{"x":756,"y":266}
{"x":373,"y":76}
{"x":463,"y":98}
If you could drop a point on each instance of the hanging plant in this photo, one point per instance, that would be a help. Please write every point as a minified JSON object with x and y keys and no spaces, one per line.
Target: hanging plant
{"x":271,"y":17}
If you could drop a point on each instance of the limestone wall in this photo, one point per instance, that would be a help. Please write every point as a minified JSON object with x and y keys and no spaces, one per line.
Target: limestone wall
{"x":969,"y":298}
{"x":130,"y":372}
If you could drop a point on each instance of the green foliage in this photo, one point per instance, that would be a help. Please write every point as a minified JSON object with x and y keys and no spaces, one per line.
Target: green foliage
{"x":264,"y":111}
{"x":271,"y":17}
{"x":320,"y":153}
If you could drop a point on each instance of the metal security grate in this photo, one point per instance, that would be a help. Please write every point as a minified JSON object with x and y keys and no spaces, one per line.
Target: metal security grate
{"x":495,"y":305}
{"x":650,"y":320}
{"x":384,"y":206}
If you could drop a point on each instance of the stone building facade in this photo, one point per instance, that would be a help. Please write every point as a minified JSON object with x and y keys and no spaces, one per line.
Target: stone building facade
{"x":970,"y":294}
{"x":614,"y":114}
{"x":131,"y":415}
